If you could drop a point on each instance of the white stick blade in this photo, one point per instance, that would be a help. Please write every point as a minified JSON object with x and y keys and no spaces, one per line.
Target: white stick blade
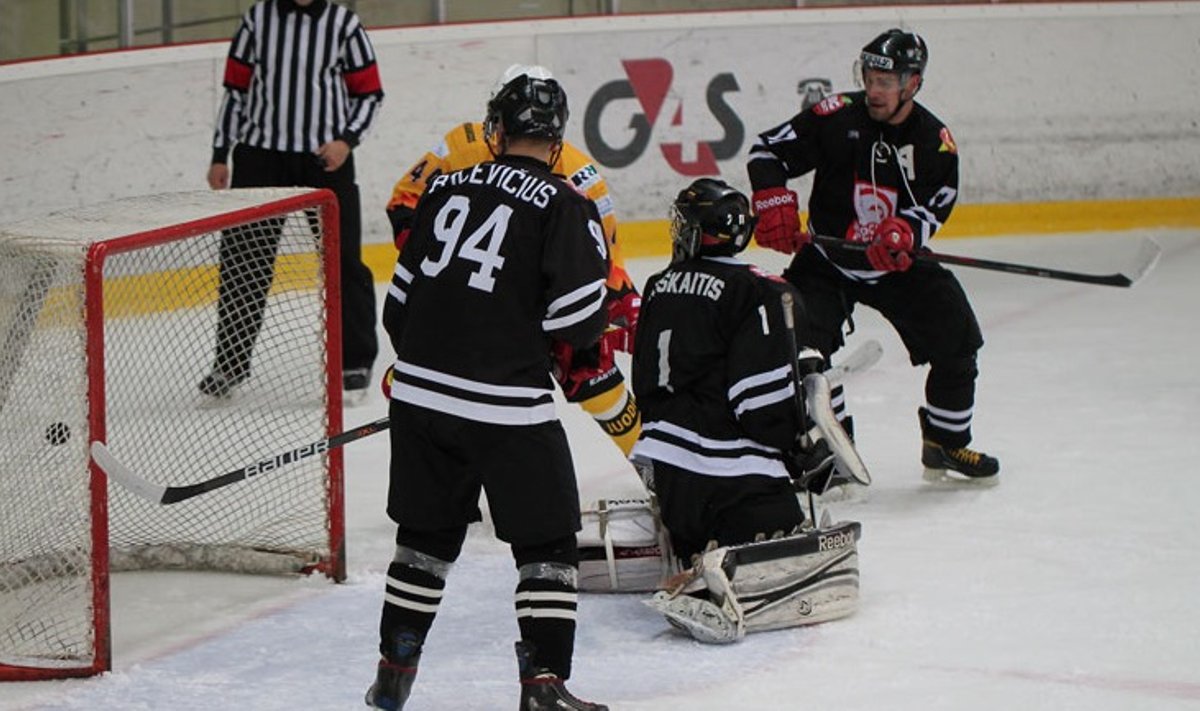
{"x":1147,"y":256}
{"x":118,"y":472}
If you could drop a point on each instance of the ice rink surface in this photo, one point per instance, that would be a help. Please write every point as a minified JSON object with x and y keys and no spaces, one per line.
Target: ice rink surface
{"x":1074,"y":584}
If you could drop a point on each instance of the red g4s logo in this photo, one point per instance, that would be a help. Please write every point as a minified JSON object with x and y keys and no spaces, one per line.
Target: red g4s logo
{"x":648,"y":81}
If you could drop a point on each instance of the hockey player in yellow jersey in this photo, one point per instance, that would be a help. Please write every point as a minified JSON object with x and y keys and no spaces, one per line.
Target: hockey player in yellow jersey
{"x":590,"y":379}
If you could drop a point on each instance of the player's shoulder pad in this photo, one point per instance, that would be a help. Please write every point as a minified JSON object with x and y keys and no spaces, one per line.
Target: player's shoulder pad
{"x":832,"y":104}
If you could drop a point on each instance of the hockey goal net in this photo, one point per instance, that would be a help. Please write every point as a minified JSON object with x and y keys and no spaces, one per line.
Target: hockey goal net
{"x":108,"y":323}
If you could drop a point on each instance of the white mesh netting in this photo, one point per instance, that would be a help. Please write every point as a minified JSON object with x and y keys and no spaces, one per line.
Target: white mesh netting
{"x":192,"y":283}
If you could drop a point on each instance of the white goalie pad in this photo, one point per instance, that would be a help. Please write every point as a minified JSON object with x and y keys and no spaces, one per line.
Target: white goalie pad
{"x":804,"y":579}
{"x":623,"y":547}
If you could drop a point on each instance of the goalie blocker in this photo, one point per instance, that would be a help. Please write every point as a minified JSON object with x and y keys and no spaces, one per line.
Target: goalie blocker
{"x":797,"y":580}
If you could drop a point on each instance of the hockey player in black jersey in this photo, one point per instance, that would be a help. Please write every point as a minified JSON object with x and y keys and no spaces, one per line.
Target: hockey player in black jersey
{"x":723,"y":432}
{"x":886,"y":174}
{"x":710,"y":369}
{"x":504,"y":260}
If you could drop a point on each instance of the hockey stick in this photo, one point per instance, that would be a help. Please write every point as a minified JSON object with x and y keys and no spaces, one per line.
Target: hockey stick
{"x":158,"y":493}
{"x":860,"y":359}
{"x":1146,"y":258}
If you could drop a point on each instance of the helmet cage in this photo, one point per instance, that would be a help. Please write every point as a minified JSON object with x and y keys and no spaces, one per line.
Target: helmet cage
{"x":710,"y":218}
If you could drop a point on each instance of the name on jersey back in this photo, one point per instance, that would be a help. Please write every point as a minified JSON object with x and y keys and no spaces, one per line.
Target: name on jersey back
{"x":514,"y":181}
{"x":689,"y":284}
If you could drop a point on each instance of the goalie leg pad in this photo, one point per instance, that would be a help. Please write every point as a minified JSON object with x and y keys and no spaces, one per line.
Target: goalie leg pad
{"x":698,"y":617}
{"x":623,"y":547}
{"x":798,"y":580}
{"x":786,"y":582}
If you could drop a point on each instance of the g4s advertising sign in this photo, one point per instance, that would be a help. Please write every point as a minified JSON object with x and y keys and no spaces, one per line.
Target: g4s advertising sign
{"x":649,"y":82}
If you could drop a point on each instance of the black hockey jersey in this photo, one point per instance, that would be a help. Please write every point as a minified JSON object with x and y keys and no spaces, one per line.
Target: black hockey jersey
{"x":865,"y":170}
{"x":504,"y":257}
{"x":711,"y":371}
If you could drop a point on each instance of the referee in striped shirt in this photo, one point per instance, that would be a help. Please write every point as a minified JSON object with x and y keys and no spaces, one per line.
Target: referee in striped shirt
{"x":301,"y":89}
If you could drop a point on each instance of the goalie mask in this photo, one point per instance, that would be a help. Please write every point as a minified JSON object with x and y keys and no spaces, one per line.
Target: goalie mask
{"x":710,"y":218}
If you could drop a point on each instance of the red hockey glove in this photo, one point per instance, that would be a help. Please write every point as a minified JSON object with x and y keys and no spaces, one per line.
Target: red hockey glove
{"x":572,"y":368}
{"x":891,"y":249}
{"x":401,"y":238}
{"x":622,"y":323}
{"x":778,"y":225}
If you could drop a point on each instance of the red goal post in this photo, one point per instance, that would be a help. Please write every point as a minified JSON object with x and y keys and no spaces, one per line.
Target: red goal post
{"x":108,"y":321}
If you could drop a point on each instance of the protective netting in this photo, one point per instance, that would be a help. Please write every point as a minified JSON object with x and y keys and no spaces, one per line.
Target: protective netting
{"x":244,"y":297}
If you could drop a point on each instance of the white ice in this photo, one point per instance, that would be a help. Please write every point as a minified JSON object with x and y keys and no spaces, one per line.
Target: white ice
{"x":1074,"y":584}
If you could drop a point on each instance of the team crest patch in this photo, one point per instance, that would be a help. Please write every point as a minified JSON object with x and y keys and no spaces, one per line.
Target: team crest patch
{"x":831,"y":104}
{"x":948,"y":144}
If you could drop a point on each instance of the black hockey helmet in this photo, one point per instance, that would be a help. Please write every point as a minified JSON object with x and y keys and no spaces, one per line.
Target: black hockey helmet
{"x":709,"y":217}
{"x":528,"y":106}
{"x":896,"y":51}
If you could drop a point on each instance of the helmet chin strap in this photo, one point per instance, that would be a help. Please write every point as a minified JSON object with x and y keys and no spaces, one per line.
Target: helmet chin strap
{"x":903,"y":100}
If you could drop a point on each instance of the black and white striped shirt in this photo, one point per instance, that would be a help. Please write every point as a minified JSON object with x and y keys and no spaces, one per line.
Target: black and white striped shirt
{"x":296,"y":78}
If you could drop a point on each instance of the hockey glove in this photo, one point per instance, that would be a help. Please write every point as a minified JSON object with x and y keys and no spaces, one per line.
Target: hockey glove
{"x":810,"y":467}
{"x":891,"y":249}
{"x":572,"y":368}
{"x":622,"y":323}
{"x":778,"y":225}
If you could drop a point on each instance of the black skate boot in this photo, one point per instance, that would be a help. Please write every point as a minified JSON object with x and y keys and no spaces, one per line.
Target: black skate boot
{"x":976,"y":466}
{"x":397,"y":671}
{"x":543,"y":690}
{"x":393,"y":683}
{"x":218,"y":383}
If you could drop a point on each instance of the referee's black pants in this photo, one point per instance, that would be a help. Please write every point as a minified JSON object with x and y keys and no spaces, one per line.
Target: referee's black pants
{"x":247,"y":261}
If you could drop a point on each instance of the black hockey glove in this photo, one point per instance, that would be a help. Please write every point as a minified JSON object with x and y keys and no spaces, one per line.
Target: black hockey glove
{"x":810,"y":467}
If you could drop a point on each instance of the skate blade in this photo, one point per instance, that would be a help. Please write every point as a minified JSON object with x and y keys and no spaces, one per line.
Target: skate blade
{"x":944,"y":479}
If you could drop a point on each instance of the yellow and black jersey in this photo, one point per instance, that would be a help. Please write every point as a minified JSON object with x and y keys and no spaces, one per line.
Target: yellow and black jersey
{"x":464,"y":146}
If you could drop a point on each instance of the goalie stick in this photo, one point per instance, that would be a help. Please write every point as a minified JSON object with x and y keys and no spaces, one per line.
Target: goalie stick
{"x":161,"y":494}
{"x":1147,"y":256}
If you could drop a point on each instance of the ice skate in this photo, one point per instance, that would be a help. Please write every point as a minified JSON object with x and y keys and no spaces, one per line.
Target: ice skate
{"x":542,"y":690}
{"x":219,"y":383}
{"x":975,"y":467}
{"x":393,"y":683}
{"x":355,"y":382}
